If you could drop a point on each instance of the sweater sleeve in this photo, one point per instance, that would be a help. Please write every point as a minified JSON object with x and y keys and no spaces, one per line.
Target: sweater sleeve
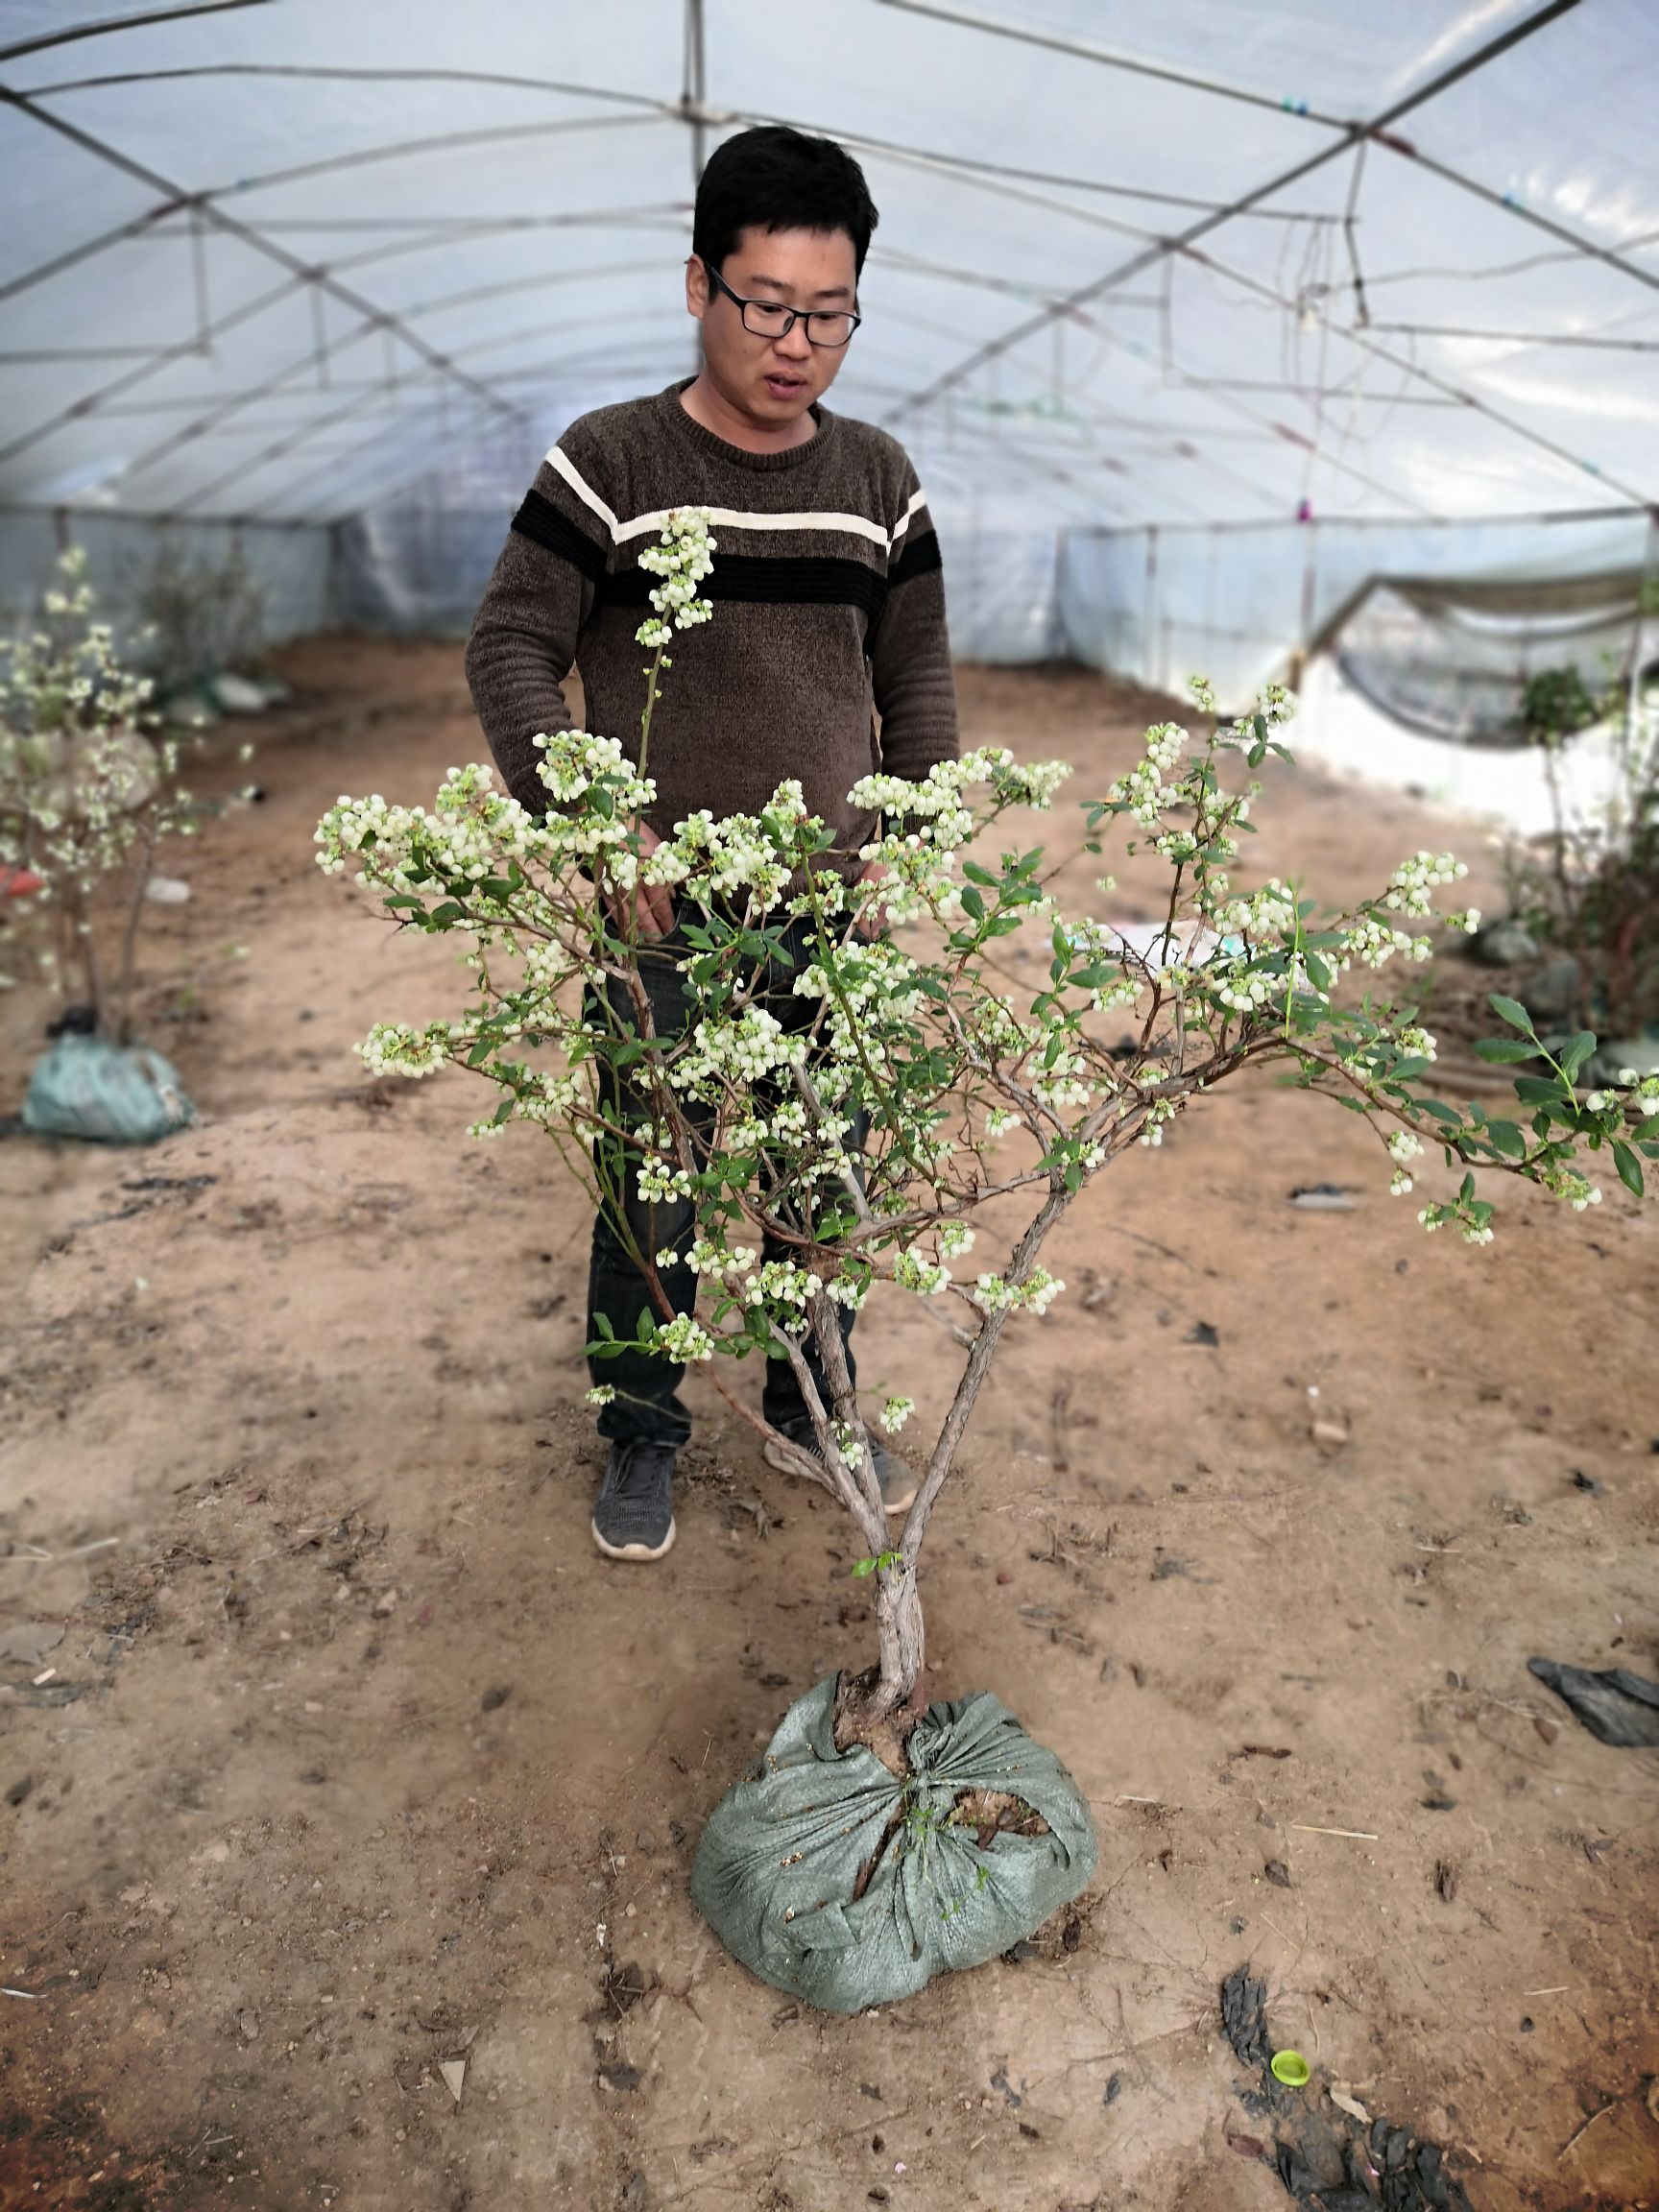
{"x":910,"y":654}
{"x":524,"y":634}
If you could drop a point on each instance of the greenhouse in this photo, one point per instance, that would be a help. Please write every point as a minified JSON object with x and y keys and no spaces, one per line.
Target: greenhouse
{"x":1209,"y":661}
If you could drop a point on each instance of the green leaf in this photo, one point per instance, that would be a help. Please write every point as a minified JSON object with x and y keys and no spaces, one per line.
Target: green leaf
{"x":1504,"y":1050}
{"x":973,"y":904}
{"x":862,"y":1567}
{"x":1317,"y":970}
{"x":1440,"y":1109}
{"x":1512,"y":1011}
{"x":1507,"y":1138}
{"x":1629,"y":1168}
{"x":1540,"y":1090}
{"x":1577,"y":1052}
{"x":977,"y":874}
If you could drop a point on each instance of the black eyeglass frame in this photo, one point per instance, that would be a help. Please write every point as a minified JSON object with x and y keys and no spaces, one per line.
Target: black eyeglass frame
{"x":791,"y":315}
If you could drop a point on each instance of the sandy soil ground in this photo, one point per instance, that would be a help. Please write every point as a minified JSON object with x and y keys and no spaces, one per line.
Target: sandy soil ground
{"x":351,"y":1743}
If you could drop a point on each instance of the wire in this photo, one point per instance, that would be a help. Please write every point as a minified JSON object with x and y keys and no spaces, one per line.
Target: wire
{"x":1061,"y":179}
{"x":249,"y":235}
{"x":110,"y":24}
{"x":1580,"y":338}
{"x":1189,"y":80}
{"x":1365,"y":340}
{"x":351,"y":76}
{"x":1541,"y":517}
{"x":993,"y":349}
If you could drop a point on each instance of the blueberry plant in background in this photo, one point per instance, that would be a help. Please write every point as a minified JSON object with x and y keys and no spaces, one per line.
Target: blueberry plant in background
{"x":204,"y":622}
{"x":86,"y":793}
{"x":1589,"y":888}
{"x":986,"y":1097}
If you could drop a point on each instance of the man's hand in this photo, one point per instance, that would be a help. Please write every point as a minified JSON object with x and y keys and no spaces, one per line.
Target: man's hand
{"x":873,"y":920}
{"x":653,"y":903}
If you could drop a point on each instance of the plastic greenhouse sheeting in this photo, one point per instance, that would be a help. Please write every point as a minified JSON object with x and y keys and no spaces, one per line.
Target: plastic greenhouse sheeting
{"x":292,"y":568}
{"x":1392,"y":266}
{"x":1453,"y":660}
{"x":1157,"y":604}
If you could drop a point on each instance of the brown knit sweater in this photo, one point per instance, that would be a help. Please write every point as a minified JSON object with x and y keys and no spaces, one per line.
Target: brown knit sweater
{"x":828,"y":653}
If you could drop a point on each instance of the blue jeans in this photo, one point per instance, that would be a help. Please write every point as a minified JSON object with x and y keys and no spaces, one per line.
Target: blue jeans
{"x":647,"y":1407}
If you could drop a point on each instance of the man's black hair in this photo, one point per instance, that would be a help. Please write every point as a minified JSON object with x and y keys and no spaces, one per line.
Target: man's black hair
{"x":775,"y":178}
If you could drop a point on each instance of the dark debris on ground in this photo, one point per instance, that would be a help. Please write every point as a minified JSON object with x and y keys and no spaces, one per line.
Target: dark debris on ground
{"x":1326,"y":2159}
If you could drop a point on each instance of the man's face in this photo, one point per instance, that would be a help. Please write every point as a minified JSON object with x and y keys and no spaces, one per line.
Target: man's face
{"x":773,"y":380}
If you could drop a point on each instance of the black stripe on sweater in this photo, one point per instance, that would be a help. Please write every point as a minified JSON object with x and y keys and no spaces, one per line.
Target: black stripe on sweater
{"x":538,"y":519}
{"x":920,"y":558}
{"x":771,"y":580}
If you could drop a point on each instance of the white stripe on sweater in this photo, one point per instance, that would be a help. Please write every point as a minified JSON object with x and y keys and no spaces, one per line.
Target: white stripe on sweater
{"x":731,"y":518}
{"x":918,"y":500}
{"x":561,"y":461}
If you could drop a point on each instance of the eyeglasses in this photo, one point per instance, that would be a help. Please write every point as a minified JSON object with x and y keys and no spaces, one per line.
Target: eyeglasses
{"x":827,"y":327}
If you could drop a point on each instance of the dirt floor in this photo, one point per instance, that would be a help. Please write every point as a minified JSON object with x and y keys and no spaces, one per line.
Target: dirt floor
{"x":355,"y":1776}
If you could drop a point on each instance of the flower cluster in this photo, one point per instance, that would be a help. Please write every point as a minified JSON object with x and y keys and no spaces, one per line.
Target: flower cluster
{"x":1411,"y":886}
{"x":1146,"y":790}
{"x":683,"y":1340}
{"x":1476,"y":1224}
{"x":1275,"y":705}
{"x":394,"y":1048}
{"x":913,"y":1271}
{"x":683,"y":559}
{"x":1158,"y":1112}
{"x":574,"y":764}
{"x":1265,"y":916}
{"x":1034,"y":1293}
{"x":1372,"y":943}
{"x":1403,"y":1146}
{"x":658,"y":1181}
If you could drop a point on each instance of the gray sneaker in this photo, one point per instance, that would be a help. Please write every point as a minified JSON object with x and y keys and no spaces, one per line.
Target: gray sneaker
{"x":899,"y":1483}
{"x":634,"y":1513}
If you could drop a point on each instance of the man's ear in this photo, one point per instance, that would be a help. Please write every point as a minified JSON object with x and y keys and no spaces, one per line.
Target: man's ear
{"x":696,"y":287}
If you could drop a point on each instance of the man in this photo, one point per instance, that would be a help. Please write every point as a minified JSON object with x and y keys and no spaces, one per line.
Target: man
{"x":829,"y":613}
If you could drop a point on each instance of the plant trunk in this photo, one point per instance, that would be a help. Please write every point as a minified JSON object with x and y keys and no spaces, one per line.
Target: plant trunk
{"x":900,"y":1639}
{"x":876,"y":1708}
{"x":91,"y":968}
{"x":123,"y":1010}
